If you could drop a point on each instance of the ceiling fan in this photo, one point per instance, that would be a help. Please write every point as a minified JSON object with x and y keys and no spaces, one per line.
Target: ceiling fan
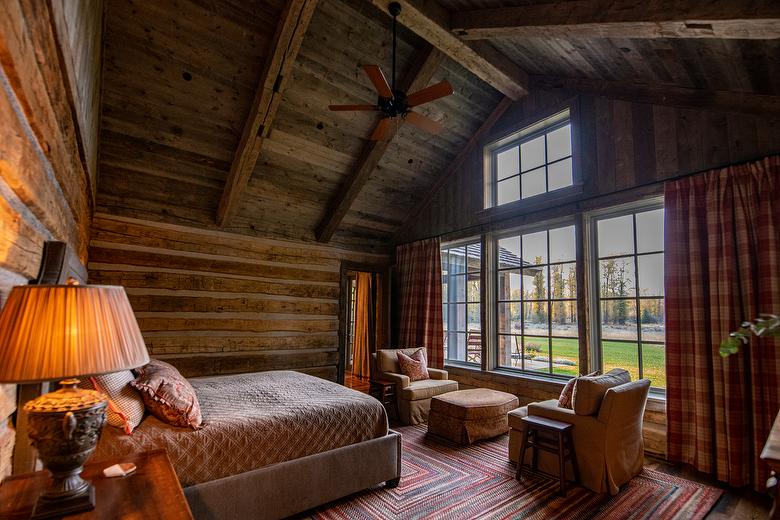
{"x":394,"y":103}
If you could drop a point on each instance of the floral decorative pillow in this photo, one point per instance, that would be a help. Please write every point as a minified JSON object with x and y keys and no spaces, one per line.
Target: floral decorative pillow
{"x":168,"y":395}
{"x":414,"y":366}
{"x":566,"y":400}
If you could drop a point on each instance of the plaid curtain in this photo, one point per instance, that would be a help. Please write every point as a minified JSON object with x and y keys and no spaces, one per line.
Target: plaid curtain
{"x":722,"y":267}
{"x":419,"y":292}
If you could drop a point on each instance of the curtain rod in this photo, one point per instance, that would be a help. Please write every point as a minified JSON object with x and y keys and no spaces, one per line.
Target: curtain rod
{"x":479,"y":228}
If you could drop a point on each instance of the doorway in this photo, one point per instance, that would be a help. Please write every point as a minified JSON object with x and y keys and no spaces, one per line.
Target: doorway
{"x":363,"y":324}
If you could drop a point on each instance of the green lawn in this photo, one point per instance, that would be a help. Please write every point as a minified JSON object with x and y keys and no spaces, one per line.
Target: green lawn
{"x":617,"y":355}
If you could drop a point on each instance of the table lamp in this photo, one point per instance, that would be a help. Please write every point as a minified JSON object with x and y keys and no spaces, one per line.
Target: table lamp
{"x":61,"y":332}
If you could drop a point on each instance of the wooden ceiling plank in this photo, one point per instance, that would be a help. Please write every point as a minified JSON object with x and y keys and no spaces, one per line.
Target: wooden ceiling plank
{"x":287,"y":42}
{"x":724,"y":19}
{"x":431,"y":22}
{"x":420,"y":74}
{"x":456,"y":163}
{"x":744,"y":102}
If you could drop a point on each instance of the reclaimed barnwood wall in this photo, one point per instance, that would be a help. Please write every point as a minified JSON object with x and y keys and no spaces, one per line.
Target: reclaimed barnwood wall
{"x":212,"y":302}
{"x":627,"y":150}
{"x":44,"y":173}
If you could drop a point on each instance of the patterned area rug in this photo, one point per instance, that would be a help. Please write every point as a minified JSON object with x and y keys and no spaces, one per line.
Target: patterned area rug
{"x":444,"y":481}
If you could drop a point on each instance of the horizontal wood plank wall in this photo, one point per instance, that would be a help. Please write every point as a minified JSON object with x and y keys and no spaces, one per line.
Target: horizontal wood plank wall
{"x":627,"y":150}
{"x":212,"y":302}
{"x":44,"y":192}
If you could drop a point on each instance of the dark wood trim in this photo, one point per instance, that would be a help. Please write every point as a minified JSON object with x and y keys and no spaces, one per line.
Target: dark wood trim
{"x":430,"y":21}
{"x":384,"y":270}
{"x":668,"y":95}
{"x":290,"y":31}
{"x":417,"y":77}
{"x":721,"y":19}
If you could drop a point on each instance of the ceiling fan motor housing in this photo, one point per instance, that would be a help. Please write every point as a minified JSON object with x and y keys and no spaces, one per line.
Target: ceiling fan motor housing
{"x":395,"y":106}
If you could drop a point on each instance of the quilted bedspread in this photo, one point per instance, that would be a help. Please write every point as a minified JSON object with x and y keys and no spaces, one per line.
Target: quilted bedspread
{"x":253,"y":420}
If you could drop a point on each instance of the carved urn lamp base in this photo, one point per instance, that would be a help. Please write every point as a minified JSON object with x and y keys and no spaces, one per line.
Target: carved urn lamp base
{"x":64,"y":426}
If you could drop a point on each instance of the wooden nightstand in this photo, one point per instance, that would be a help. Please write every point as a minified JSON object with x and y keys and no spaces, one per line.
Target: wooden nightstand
{"x":152,"y":491}
{"x":384,"y":391}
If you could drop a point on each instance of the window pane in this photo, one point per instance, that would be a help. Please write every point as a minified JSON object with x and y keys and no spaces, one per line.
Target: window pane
{"x":532,"y":154}
{"x":616,"y":277}
{"x":457,"y":289}
{"x":460,"y":317}
{"x":535,"y":248}
{"x":535,"y":316}
{"x":563,"y":246}
{"x":473,"y":287}
{"x":444,"y":316}
{"x":509,"y":318}
{"x":566,"y":353}
{"x":474,"y":323}
{"x":533,"y":183}
{"x":458,"y":260}
{"x":563,"y":281}
{"x":508,"y":191}
{"x":535,"y":283}
{"x":651,"y":275}
{"x":621,"y":355}
{"x":474,"y":347}
{"x":616,"y":236}
{"x":456,"y":346}
{"x":652,"y":319}
{"x":509,"y":252}
{"x":564,"y":319}
{"x":654,"y":364}
{"x":537,"y":354}
{"x":474,"y":257}
{"x":559,"y":175}
{"x":618,"y":319}
{"x":650,"y":231}
{"x":559,"y":143}
{"x":509,"y":351}
{"x":507,"y":163}
{"x":509,"y":285}
{"x":445,"y":263}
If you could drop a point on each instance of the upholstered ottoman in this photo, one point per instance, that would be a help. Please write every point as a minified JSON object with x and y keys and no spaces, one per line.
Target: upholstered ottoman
{"x":467,"y":416}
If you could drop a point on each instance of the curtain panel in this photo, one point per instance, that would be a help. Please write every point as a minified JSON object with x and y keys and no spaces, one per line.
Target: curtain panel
{"x":361,"y":343}
{"x":722,"y":267}
{"x":419,"y":287}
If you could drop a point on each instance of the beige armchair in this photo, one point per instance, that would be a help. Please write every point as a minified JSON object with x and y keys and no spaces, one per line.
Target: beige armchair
{"x":414,"y":397}
{"x":608,"y":441}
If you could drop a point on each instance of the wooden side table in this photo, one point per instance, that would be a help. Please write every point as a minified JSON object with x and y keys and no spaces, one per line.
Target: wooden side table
{"x":151,"y":492}
{"x":562,"y":445}
{"x":384,"y":391}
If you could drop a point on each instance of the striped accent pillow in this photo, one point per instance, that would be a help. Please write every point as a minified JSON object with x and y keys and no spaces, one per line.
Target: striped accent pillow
{"x":125,"y":405}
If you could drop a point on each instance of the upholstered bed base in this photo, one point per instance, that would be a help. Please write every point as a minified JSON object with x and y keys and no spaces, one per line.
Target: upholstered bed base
{"x":287,"y":488}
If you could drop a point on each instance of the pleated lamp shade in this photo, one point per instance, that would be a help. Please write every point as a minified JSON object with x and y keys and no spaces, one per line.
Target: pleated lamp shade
{"x":64,"y":331}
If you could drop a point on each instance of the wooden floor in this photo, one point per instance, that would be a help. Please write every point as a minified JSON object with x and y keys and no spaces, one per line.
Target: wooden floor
{"x":355,"y":383}
{"x":735,"y":504}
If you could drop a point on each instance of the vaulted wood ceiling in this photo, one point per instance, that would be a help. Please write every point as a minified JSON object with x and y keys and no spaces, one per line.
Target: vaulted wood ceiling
{"x":182,"y":81}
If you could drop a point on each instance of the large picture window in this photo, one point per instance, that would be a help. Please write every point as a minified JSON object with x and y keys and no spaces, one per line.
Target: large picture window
{"x":630,"y":293}
{"x":461,"y":265}
{"x":537,"y":301}
{"x":531,"y":162}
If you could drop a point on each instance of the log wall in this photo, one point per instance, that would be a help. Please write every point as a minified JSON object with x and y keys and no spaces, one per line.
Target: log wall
{"x":212,"y":302}
{"x":44,"y":181}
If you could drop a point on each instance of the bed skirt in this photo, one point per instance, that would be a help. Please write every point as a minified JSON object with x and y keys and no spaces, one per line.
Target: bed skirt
{"x":287,"y":488}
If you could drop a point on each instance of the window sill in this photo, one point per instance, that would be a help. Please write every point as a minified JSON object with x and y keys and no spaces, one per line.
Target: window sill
{"x":532,"y":204}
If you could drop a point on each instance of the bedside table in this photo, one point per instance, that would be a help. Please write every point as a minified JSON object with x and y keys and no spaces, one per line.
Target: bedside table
{"x":384,"y":391}
{"x":151,"y":491}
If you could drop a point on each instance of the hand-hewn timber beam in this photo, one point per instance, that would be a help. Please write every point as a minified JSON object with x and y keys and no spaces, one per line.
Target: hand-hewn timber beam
{"x":624,"y":19}
{"x":290,"y":30}
{"x":431,"y":22}
{"x":456,"y":163}
{"x":745,"y":102}
{"x":418,"y":77}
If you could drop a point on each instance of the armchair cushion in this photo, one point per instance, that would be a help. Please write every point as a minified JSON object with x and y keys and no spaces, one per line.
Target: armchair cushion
{"x":566,"y":399}
{"x":387,"y":358}
{"x":427,"y":388}
{"x":589,"y":390}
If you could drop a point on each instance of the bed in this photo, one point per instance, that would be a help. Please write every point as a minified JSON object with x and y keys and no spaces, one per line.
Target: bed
{"x":273,"y":444}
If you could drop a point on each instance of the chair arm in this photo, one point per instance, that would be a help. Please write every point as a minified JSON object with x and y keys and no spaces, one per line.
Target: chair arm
{"x":401,"y":381}
{"x":551,"y":410}
{"x":437,"y":373}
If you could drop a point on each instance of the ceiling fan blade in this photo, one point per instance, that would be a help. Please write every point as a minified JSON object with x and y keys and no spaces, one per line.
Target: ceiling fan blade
{"x":382,"y":129}
{"x":345,"y":108}
{"x":439,"y":90}
{"x":425,"y":123}
{"x":378,"y":79}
